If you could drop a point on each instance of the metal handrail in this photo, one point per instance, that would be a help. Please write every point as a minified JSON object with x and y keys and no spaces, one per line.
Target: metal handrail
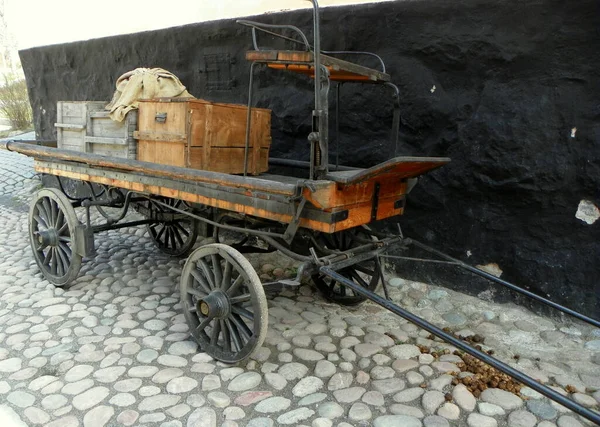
{"x":264,"y":28}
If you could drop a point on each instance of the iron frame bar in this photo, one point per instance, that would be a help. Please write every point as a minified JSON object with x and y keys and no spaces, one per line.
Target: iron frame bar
{"x":501,"y":366}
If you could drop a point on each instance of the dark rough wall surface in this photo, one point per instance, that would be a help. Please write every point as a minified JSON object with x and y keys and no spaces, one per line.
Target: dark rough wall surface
{"x":512,"y":78}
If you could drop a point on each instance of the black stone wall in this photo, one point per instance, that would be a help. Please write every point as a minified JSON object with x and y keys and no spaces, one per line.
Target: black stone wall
{"x":512,"y":78}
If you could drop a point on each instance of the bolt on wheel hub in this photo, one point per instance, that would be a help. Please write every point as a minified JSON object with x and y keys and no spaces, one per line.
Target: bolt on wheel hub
{"x":214,"y":305}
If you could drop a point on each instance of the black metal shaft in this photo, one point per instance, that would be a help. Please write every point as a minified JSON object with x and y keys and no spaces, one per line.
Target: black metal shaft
{"x":509,"y":285}
{"x":501,"y":366}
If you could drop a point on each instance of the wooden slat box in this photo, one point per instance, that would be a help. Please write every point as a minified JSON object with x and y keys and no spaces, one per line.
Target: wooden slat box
{"x":85,"y":126}
{"x":199,"y":134}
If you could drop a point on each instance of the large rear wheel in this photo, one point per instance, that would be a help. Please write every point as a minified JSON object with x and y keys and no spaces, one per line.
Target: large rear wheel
{"x":52,"y":224}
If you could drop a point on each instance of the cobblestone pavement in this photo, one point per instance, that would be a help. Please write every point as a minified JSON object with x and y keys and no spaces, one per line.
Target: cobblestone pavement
{"x":113,"y":349}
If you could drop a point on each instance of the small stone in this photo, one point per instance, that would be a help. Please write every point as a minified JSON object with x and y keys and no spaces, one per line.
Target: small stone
{"x":295,"y":416}
{"x":324,"y":369}
{"x":490,"y":409}
{"x":158,"y":401}
{"x":307,"y":354}
{"x":404,"y":365}
{"x":396,"y":421}
{"x":340,"y":380}
{"x":330,"y":410}
{"x":414,"y":378}
{"x":234,"y":413}
{"x":367,"y":350}
{"x":388,"y":386}
{"x":128,"y":417}
{"x":435,"y":421}
{"x":202,"y":417}
{"x":404,"y":351}
{"x":502,"y":398}
{"x":90,"y":398}
{"x":463,"y":398}
{"x":449,"y":411}
{"x":542,"y":409}
{"x":293,"y":371}
{"x":382,"y":372}
{"x":218,"y":399}
{"x":568,"y":421}
{"x":181,"y":385}
{"x":400,"y":409}
{"x":251,"y":397}
{"x":478,"y":420}
{"x":277,"y":381}
{"x":36,"y":415}
{"x":273,"y":404}
{"x":245,"y":381}
{"x":307,"y":386}
{"x":521,"y":419}
{"x":349,"y":395}
{"x":359,"y":412}
{"x":98,"y":417}
{"x":409,"y":395}
{"x":211,"y":382}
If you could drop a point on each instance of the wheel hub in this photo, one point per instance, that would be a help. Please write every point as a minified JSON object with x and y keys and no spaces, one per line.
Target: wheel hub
{"x":47,"y":237}
{"x":214,"y":305}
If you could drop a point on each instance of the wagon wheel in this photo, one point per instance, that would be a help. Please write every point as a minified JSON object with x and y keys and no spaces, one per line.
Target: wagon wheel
{"x":52,"y":223}
{"x":176,"y":237}
{"x":366,"y":274}
{"x":224,"y":302}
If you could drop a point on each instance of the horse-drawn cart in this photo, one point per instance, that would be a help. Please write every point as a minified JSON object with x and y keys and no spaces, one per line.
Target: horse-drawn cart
{"x":320,"y":219}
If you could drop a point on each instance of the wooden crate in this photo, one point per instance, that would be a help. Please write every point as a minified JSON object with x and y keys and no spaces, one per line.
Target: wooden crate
{"x":85,"y":126}
{"x":203,"y":135}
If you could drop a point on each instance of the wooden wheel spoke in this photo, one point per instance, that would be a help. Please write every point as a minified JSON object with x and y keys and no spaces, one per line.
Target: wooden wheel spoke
{"x":64,"y":239}
{"x":54,"y":264}
{"x":226,"y":282}
{"x":64,"y":258}
{"x":160,"y":233}
{"x":44,"y":213}
{"x":47,"y":257}
{"x":207,"y":273}
{"x":182,"y":229}
{"x":226,"y":336}
{"x":235,"y":336}
{"x":242,"y":312}
{"x":203,"y":324}
{"x":177,"y":235}
{"x":243,"y":329}
{"x":201,"y":281}
{"x":235,"y":285}
{"x":217,"y":271}
{"x":196,"y":293}
{"x":238,"y":299}
{"x":214,"y":335}
{"x":358,"y":279}
{"x":40,"y":221}
{"x":60,"y":219}
{"x":364,"y":270}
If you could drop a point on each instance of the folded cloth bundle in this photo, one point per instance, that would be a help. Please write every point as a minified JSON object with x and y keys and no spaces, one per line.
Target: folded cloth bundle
{"x":143,"y":83}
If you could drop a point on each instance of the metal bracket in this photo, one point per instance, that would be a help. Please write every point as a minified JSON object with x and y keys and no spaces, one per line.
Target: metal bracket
{"x":291,"y":229}
{"x":85,"y":241}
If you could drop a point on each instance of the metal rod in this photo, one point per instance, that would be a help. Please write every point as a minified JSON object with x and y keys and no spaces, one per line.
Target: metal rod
{"x":408,"y":258}
{"x":337,"y":125}
{"x":304,"y":165}
{"x":248,"y":118}
{"x":106,"y":227}
{"x":509,"y":285}
{"x":219,"y":225}
{"x":501,"y":366}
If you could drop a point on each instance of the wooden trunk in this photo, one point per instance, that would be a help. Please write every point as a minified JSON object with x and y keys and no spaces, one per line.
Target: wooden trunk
{"x":85,"y":126}
{"x":203,"y":135}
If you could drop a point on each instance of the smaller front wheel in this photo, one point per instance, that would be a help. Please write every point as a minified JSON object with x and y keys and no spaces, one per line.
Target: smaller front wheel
{"x":224,"y":303}
{"x":52,"y":224}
